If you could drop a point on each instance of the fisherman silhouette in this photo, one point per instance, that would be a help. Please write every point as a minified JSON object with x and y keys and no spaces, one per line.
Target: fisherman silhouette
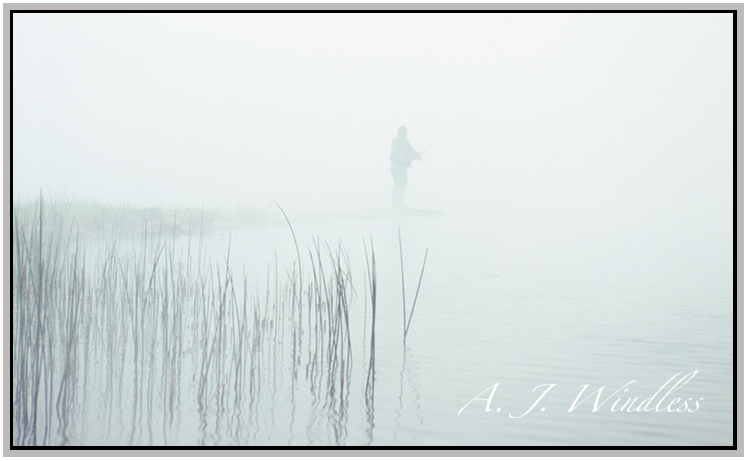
{"x":401,"y":155}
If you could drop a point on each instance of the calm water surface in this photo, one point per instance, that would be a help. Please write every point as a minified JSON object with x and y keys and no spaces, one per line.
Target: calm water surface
{"x":500,"y":302}
{"x":497,"y":305}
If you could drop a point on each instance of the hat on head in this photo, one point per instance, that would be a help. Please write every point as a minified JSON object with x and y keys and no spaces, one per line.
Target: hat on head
{"x":402,"y":130}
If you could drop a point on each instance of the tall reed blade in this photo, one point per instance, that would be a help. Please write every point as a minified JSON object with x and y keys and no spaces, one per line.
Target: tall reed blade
{"x":406,"y":325}
{"x":298,"y":254}
{"x":402,"y":274}
{"x":416,"y":297}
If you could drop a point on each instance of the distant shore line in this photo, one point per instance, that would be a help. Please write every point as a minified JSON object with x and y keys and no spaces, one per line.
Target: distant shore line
{"x":93,"y":218}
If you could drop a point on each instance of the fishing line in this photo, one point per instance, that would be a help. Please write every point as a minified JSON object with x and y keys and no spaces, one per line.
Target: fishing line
{"x":442,"y":136}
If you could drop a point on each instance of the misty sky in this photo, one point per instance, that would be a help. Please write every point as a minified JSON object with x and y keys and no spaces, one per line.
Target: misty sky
{"x":560,"y":113}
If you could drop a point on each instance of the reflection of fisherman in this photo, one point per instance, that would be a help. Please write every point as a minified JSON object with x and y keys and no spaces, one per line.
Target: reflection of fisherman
{"x":402,"y":155}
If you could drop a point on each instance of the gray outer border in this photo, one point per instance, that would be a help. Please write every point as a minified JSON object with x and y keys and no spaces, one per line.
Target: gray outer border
{"x":441,"y":451}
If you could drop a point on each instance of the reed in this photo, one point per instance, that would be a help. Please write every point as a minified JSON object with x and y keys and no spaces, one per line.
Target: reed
{"x":371,"y":279}
{"x":415,"y":298}
{"x":119,"y":339}
{"x":406,"y":324}
{"x":49,"y":307}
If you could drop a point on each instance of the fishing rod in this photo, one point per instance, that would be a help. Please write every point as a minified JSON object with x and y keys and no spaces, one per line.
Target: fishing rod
{"x":440,"y":137}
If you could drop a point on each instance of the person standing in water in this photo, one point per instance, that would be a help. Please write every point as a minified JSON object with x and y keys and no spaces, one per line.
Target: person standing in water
{"x":401,"y":155}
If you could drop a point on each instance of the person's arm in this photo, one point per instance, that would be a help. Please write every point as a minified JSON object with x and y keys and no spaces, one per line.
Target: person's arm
{"x":414,"y":154}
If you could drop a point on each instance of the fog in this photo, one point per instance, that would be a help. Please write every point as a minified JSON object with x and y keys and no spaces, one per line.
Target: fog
{"x":574,"y":200}
{"x":561,"y":114}
{"x":596,"y":131}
